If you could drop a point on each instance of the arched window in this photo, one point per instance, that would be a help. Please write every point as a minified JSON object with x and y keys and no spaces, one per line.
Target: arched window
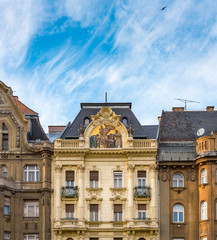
{"x":203,"y":207}
{"x":125,"y":121}
{"x":4,"y":171}
{"x":178,"y":213}
{"x":178,"y":180}
{"x":69,"y":239}
{"x":86,"y":121}
{"x":203,"y":176}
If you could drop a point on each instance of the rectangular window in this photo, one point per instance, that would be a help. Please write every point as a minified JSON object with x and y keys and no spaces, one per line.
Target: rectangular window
{"x":30,"y":237}
{"x":7,"y":206}
{"x":117,"y":212}
{"x":70,"y":211}
{"x":94,"y":178}
{"x":70,"y":178}
{"x":31,"y":208}
{"x":6,"y":235}
{"x":31,"y":173}
{"x":141,"y":176}
{"x":5,"y":141}
{"x":94,"y":212}
{"x":141,"y":211}
{"x":117,"y":179}
{"x":203,"y":238}
{"x":4,"y":172}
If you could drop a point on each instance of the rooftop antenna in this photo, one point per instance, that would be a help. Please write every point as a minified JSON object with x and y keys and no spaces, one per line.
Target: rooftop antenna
{"x":105,"y":97}
{"x":185,"y":101}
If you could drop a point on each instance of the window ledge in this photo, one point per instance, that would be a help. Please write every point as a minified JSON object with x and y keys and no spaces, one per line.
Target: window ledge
{"x":178,"y":189}
{"x":204,"y":220}
{"x":179,"y":223}
{"x":203,"y":185}
{"x":94,"y":189}
{"x":118,"y":189}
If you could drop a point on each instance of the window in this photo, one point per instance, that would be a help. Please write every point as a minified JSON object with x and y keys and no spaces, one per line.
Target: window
{"x":118,"y":238}
{"x":94,"y":238}
{"x":178,"y":239}
{"x":31,"y":208}
{"x":125,"y":121}
{"x":86,"y":121}
{"x":94,"y":177}
{"x":141,"y":211}
{"x":141,"y":177}
{"x":7,"y":206}
{"x":94,"y":212}
{"x":70,"y":211}
{"x":216,"y":175}
{"x":203,"y":238}
{"x":203,"y":176}
{"x":6,"y":235}
{"x":178,"y":213}
{"x":117,"y":179}
{"x":203,"y":210}
{"x":4,"y":137}
{"x":31,"y":174}
{"x":117,"y":212}
{"x":70,"y":178}
{"x":4,"y":171}
{"x":178,"y":180}
{"x":30,"y":237}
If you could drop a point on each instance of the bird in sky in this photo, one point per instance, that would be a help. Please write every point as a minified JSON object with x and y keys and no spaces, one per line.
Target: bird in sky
{"x":163,"y":8}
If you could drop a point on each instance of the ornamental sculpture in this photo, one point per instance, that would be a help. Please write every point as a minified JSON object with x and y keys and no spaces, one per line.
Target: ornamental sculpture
{"x":105,"y":136}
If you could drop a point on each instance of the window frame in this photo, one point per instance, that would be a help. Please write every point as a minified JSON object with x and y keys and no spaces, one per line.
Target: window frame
{"x":94,"y":214}
{"x":7,"y":206}
{"x":118,"y":179}
{"x":203,"y":211}
{"x":26,"y":173}
{"x":4,"y":171}
{"x":70,"y":183}
{"x":179,"y":213}
{"x":8,"y":237}
{"x":142,"y":213}
{"x":118,"y":215}
{"x":203,"y":176}
{"x":70,"y":214}
{"x":176,"y":181}
{"x":27,"y":204}
{"x":94,"y":183}
{"x":141,"y":181}
{"x":26,"y":236}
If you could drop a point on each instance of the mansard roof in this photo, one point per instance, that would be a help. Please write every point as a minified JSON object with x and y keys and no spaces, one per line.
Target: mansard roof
{"x":151,"y":131}
{"x":88,"y":109}
{"x":186,"y":125}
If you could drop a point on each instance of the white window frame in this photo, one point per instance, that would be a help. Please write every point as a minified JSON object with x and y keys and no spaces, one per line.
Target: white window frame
{"x":30,"y":237}
{"x":118,"y":176}
{"x":118,"y":216}
{"x":141,"y":214}
{"x":27,"y":171}
{"x":203,"y":207}
{"x":178,"y":180}
{"x":203,"y":176}
{"x":94,"y":216}
{"x":31,"y":204}
{"x":4,"y":171}
{"x":7,"y":236}
{"x":179,"y":210}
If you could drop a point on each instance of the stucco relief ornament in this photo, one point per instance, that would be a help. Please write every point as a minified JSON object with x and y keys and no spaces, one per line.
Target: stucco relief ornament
{"x":81,"y":131}
{"x":130,"y":131}
{"x":164,"y":175}
{"x":58,"y":168}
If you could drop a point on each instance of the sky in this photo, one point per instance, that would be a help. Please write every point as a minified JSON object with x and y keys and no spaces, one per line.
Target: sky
{"x":56,"y":54}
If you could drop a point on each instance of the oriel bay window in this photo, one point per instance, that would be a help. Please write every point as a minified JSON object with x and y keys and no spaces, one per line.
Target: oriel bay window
{"x":70,"y":178}
{"x":117,"y":212}
{"x":70,"y":211}
{"x":94,"y":178}
{"x":141,"y":211}
{"x":117,"y":179}
{"x":94,"y":212}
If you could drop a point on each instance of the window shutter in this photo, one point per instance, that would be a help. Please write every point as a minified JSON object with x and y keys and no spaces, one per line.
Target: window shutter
{"x":70,"y":175}
{"x":118,"y":208}
{"x":94,"y":207}
{"x":141,"y":174}
{"x":94,"y":175}
{"x":69,"y":207}
{"x":141,"y":206}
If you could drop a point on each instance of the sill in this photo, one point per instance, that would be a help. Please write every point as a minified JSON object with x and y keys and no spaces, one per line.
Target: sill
{"x":118,"y":189}
{"x":204,"y":220}
{"x":203,"y":185}
{"x":94,"y":189}
{"x":31,"y":218}
{"x":178,"y":189}
{"x":178,"y":223}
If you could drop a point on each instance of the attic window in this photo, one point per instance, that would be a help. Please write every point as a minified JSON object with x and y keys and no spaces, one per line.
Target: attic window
{"x":125,"y":121}
{"x":86,"y":121}
{"x":4,"y":127}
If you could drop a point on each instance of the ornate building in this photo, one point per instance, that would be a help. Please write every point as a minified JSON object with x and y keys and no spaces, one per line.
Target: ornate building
{"x":25,"y":164}
{"x":188,"y":174}
{"x":105,"y":176}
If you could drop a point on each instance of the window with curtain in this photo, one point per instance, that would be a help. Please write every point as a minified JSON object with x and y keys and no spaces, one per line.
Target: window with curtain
{"x":178,"y":180}
{"x":94,"y":178}
{"x":117,"y":212}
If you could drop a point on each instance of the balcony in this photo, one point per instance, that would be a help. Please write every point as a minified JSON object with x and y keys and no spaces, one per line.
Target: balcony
{"x":142,"y":192}
{"x":70,"y":192}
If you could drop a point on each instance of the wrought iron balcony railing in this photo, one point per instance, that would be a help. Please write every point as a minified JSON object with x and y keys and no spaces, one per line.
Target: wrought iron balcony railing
{"x":143,"y":219}
{"x":142,"y":192}
{"x":70,"y":192}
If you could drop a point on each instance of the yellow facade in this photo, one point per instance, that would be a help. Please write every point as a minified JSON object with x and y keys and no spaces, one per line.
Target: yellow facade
{"x":103,"y":173}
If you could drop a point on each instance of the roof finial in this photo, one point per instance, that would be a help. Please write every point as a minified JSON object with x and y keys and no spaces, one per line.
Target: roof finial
{"x":105,"y":97}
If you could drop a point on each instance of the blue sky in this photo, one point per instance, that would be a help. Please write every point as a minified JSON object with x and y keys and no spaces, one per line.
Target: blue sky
{"x":57,"y":54}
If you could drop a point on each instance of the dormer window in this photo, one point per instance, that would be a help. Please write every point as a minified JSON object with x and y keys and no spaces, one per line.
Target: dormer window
{"x":86,"y":121}
{"x":125,"y":121}
{"x":4,"y":137}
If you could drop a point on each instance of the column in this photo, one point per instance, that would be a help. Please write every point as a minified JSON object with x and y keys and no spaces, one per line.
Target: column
{"x":57,"y":189}
{"x":130,"y":191}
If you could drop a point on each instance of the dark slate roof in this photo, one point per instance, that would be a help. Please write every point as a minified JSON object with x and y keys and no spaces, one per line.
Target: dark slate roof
{"x":184,"y":126}
{"x":151,"y":131}
{"x":88,"y":109}
{"x":36,"y":131}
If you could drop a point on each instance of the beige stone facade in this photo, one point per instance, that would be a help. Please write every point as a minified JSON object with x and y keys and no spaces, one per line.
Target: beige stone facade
{"x":101,"y":192}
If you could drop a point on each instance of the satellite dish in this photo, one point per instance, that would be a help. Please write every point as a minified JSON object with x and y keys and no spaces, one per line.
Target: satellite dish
{"x":200,"y":132}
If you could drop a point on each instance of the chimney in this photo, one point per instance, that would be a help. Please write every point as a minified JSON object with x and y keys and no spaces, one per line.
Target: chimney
{"x":178,"y":109}
{"x":210,"y":108}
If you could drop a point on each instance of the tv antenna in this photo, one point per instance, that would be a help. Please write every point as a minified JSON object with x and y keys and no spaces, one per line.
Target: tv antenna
{"x":185,"y":101}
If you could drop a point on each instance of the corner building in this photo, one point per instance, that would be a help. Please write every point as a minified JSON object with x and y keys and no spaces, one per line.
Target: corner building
{"x":105,"y":177}
{"x":25,"y":172}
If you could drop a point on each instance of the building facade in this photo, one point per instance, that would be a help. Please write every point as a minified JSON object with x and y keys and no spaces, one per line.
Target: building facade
{"x":187,"y":174}
{"x":105,"y":177}
{"x":25,"y":172}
